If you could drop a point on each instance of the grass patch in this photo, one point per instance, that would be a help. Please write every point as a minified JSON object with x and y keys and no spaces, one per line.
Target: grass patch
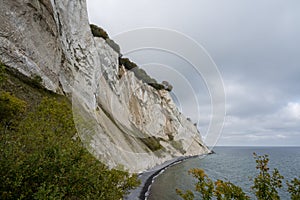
{"x":178,"y":146}
{"x":152,"y":143}
{"x":39,"y":156}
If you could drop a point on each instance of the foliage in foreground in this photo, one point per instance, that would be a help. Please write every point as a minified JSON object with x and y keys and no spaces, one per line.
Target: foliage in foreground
{"x":41,"y":157}
{"x":208,"y":189}
{"x":265,"y":185}
{"x":294,"y":188}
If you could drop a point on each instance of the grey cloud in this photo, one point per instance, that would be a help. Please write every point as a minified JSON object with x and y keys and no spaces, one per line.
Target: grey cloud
{"x":255,"y":45}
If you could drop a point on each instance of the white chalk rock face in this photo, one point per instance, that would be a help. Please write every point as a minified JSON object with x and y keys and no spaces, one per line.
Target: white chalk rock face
{"x":122,"y":121}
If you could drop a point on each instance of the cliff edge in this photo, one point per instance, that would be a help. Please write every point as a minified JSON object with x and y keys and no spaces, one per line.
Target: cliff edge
{"x":123,"y":121}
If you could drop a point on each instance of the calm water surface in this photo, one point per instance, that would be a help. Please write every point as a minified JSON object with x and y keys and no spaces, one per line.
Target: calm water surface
{"x":235,"y":164}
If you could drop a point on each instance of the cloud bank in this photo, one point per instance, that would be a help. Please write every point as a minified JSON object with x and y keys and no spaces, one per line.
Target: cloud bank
{"x":255,"y":45}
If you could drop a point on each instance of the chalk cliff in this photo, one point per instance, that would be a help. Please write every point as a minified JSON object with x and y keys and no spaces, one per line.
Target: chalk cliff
{"x":121,"y":120}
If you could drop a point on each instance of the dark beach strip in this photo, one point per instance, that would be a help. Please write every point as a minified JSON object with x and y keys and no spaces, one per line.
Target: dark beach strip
{"x":147,"y":178}
{"x":147,"y":186}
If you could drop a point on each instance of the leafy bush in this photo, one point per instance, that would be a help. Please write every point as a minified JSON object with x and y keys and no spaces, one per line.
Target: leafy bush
{"x":265,"y":185}
{"x":167,"y":86}
{"x":157,"y":86}
{"x":41,"y":157}
{"x":152,"y":143}
{"x":36,"y":81}
{"x":98,"y":32}
{"x":127,"y":63}
{"x":140,"y":73}
{"x":11,"y":109}
{"x":294,"y":188}
{"x":227,"y":190}
{"x":2,"y":70}
{"x":113,"y":45}
{"x":204,"y":185}
{"x":177,"y":145}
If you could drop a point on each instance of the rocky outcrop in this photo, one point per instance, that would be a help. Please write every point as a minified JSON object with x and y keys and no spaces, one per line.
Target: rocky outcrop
{"x":121,"y":120}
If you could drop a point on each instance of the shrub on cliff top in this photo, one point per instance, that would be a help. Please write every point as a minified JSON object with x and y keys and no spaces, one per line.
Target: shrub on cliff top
{"x":127,"y":63}
{"x":114,"y":46}
{"x":167,"y":85}
{"x":98,"y":32}
{"x":140,"y":73}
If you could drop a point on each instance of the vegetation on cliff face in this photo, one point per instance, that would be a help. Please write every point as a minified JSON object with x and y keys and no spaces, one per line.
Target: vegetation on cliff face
{"x":40,"y":155}
{"x":99,"y":32}
{"x":128,"y":64}
{"x":142,"y":75}
{"x":265,"y":185}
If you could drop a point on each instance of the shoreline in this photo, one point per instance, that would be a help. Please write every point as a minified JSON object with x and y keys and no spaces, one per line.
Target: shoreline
{"x":147,"y":178}
{"x":147,"y":186}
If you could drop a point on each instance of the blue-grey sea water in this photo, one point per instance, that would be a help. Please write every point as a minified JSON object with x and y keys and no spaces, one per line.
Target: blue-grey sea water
{"x":235,"y":164}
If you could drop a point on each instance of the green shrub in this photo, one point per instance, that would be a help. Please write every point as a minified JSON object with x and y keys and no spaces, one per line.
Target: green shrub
{"x":167,"y":86}
{"x":157,"y":86}
{"x":39,"y":156}
{"x":294,"y":188}
{"x":127,"y":63}
{"x":42,"y":160}
{"x":227,"y":190}
{"x":36,"y":81}
{"x":98,"y":32}
{"x":11,"y":109}
{"x":188,"y":195}
{"x":114,"y":46}
{"x":177,"y":145}
{"x":140,"y":73}
{"x":204,"y":186}
{"x":2,"y":74}
{"x":152,"y":143}
{"x":265,"y":185}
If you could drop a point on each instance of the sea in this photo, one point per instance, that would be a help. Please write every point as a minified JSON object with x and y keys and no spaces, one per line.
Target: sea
{"x":234,"y":164}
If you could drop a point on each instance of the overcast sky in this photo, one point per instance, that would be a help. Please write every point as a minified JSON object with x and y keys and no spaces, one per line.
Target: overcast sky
{"x":255,"y":45}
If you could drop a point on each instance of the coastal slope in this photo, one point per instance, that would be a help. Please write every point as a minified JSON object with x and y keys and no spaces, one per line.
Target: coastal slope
{"x":122,"y":121}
